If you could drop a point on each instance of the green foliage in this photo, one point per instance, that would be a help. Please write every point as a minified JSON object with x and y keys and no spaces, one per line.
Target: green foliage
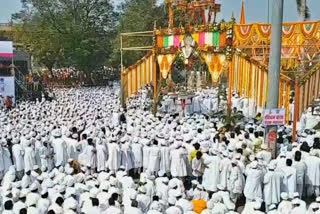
{"x":230,"y":119}
{"x":303,"y":9}
{"x":137,"y":16}
{"x":67,"y":33}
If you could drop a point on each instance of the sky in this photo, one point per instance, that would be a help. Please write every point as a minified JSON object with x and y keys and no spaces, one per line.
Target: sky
{"x":256,"y":10}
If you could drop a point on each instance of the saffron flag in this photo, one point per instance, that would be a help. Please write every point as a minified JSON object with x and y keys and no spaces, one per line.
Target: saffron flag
{"x":6,"y":49}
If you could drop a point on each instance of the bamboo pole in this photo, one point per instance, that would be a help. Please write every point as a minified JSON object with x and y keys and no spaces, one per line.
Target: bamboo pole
{"x":154,"y":77}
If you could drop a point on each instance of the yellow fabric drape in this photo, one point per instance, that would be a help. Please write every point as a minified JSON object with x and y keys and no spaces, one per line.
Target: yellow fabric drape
{"x":214,"y":63}
{"x":265,"y":88}
{"x":151,"y":69}
{"x":261,"y":88}
{"x":144,"y":73}
{"x":129,"y":83}
{"x":148,"y":70}
{"x":165,"y":62}
{"x":240,"y":76}
{"x":134,"y":80}
{"x":138,"y":77}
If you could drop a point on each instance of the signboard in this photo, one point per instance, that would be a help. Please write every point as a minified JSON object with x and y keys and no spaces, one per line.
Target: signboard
{"x":6,"y":49}
{"x":7,"y":87}
{"x":274,"y":117}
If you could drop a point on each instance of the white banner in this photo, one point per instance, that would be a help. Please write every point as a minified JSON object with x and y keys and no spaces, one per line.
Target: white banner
{"x":7,"y":87}
{"x":6,"y":49}
{"x":274,"y":117}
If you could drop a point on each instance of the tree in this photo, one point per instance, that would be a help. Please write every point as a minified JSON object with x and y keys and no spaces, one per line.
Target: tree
{"x":303,"y":9}
{"x":137,"y":15}
{"x":74,"y":33}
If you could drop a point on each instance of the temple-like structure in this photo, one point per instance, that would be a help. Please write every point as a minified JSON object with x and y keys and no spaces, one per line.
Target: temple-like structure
{"x":240,"y":50}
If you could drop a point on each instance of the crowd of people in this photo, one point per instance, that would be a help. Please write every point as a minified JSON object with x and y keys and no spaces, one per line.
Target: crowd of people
{"x":83,"y":153}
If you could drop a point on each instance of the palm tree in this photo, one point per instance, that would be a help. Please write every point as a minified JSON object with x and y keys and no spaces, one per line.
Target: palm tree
{"x":303,"y":9}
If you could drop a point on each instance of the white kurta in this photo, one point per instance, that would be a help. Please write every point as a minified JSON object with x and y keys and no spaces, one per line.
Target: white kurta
{"x":154,"y":159}
{"x":114,"y":156}
{"x":272,"y":182}
{"x":18,"y":159}
{"x":165,"y":159}
{"x":211,"y":176}
{"x":225,"y":166}
{"x":313,"y":170}
{"x":127,"y":157}
{"x":253,"y":187}
{"x":137,"y":155}
{"x":29,"y":159}
{"x":178,"y":165}
{"x":60,"y":150}
{"x":101,"y":157}
{"x":289,"y":180}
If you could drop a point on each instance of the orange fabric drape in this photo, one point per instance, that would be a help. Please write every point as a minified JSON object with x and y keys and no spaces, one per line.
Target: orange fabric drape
{"x":240,"y":76}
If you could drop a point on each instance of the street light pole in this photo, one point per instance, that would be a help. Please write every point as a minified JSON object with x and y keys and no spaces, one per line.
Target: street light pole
{"x":274,"y":69}
{"x":268,"y":21}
